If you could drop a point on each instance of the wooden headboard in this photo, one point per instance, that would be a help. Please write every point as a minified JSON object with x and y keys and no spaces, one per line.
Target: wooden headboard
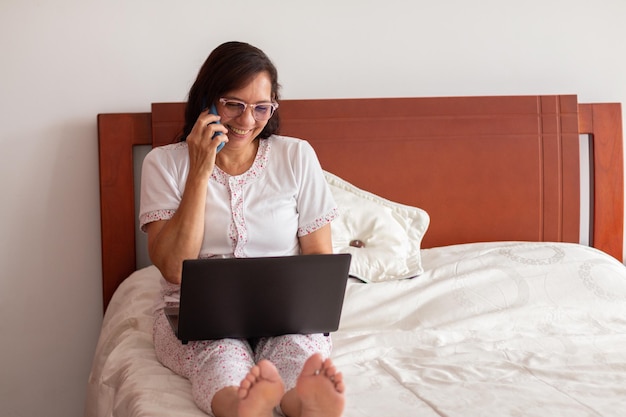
{"x":484,"y":168}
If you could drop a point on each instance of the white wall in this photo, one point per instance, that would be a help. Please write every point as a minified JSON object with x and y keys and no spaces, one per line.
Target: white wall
{"x":65,"y":61}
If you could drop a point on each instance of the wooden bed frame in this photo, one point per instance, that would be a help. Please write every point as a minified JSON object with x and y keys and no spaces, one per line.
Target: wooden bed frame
{"x":484,"y":168}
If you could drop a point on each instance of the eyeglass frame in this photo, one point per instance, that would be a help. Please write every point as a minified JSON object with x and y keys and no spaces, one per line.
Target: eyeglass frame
{"x":273,"y":105}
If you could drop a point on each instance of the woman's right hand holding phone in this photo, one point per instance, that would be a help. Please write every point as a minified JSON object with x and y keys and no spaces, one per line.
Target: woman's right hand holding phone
{"x":206,"y":136}
{"x":179,"y":238}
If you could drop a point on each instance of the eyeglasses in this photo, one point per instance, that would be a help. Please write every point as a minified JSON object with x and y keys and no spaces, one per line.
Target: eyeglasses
{"x":260,"y":111}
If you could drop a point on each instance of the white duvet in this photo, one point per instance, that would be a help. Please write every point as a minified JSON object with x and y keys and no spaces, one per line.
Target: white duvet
{"x":490,"y":329}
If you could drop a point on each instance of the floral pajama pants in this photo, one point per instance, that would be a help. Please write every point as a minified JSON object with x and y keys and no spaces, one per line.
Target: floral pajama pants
{"x":215,"y":364}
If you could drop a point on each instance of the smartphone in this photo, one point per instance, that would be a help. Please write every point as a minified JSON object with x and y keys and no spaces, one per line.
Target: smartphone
{"x":213,"y":110}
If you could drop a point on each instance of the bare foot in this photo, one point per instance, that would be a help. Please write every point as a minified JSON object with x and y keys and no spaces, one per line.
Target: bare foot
{"x":260,"y":391}
{"x":320,"y":388}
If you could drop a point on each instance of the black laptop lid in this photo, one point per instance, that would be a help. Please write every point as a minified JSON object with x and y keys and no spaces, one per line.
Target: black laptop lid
{"x":258,"y":297}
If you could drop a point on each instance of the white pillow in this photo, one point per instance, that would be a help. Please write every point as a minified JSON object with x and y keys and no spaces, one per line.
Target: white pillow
{"x":390,"y":233}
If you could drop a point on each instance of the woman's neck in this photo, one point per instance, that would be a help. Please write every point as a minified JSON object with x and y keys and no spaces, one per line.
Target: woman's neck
{"x":238,"y":163}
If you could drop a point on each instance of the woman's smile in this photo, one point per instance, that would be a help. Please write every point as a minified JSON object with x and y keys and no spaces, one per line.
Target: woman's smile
{"x":238,"y":132}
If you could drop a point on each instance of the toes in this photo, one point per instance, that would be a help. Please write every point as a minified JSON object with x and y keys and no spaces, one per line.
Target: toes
{"x":245,"y":383}
{"x":313,"y":365}
{"x":264,"y":368}
{"x":335,"y":377}
{"x":321,"y":397}
{"x":329,"y":371}
{"x":248,"y":381}
{"x":255,"y":372}
{"x":338,"y":381}
{"x":244,"y":389}
{"x":260,"y":391}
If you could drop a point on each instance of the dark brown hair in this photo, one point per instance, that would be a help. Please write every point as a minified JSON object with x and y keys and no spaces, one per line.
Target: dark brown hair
{"x":229,"y":67}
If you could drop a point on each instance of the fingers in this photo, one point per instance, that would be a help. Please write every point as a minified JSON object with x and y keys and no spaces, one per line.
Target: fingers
{"x":209,"y":125}
{"x":206,"y":128}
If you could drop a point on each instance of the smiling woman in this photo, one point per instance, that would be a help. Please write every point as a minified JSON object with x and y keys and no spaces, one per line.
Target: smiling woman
{"x":244,"y":126}
{"x":230,"y":67}
{"x":261,"y":195}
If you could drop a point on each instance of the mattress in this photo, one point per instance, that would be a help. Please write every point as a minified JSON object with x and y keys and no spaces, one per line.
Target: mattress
{"x":488,"y":329}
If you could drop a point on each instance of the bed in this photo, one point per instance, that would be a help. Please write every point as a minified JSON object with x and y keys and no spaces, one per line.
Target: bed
{"x":471,"y":295}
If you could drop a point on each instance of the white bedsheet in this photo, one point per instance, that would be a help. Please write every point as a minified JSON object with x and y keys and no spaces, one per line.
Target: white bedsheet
{"x":490,"y":329}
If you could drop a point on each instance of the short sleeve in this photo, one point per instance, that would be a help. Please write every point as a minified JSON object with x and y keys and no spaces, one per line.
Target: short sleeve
{"x":160,"y":188}
{"x":315,"y":203}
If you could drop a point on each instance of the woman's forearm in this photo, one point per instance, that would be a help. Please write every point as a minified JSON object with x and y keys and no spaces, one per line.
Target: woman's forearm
{"x":179,"y":238}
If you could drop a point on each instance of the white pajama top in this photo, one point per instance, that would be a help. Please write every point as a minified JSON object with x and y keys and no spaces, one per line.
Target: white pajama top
{"x":262,"y":212}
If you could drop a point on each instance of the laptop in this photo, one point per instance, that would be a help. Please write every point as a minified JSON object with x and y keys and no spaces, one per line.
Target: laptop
{"x":259,"y":297}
